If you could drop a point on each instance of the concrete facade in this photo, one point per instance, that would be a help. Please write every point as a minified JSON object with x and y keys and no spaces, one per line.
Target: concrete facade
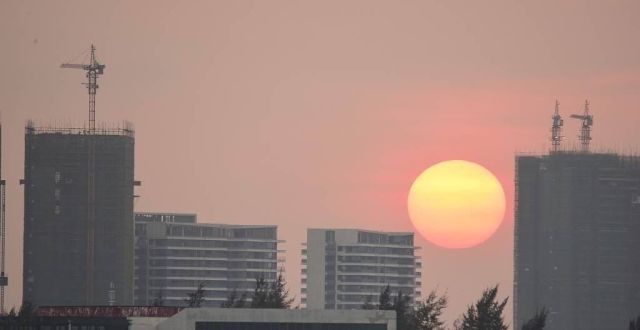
{"x":58,"y":267}
{"x":277,"y":319}
{"x":344,"y":268}
{"x":174,"y":254}
{"x":577,"y":237}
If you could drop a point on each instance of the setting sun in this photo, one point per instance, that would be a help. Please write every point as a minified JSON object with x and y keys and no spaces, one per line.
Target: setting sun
{"x":456,"y":204}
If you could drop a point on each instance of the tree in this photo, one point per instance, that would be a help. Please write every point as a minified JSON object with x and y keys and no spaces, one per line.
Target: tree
{"x":538,"y":321}
{"x":196,"y":298}
{"x":260,"y":293}
{"x":428,"y":313}
{"x":634,"y":324}
{"x":234,"y":300}
{"x":485,"y":314}
{"x":159,"y":299}
{"x":404,"y":311}
{"x":368,"y":304}
{"x":278,"y":296}
{"x":27,"y":310}
{"x":385,"y":302}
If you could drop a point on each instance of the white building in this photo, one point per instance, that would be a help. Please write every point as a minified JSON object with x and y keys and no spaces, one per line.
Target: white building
{"x":344,"y":268}
{"x":174,"y":254}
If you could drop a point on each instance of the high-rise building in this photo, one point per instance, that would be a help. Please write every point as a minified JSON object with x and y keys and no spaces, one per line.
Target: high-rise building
{"x":346,"y":268}
{"x":174,"y":254}
{"x":577,"y":239}
{"x":78,"y":211}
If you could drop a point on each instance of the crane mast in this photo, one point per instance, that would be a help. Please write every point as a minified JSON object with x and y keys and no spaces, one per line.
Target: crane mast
{"x":4,"y":281}
{"x":556,"y":129}
{"x":585,"y":130}
{"x":94,"y":69}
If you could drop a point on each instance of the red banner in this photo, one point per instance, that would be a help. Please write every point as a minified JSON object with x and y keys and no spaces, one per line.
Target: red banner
{"x":108,"y":311}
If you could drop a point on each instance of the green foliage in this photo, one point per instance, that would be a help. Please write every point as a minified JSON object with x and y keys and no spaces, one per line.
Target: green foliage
{"x":234,"y":300}
{"x":428,"y":313}
{"x":368,"y":304}
{"x":158,"y":300}
{"x":260,"y":295}
{"x":538,"y":321}
{"x":196,"y":298}
{"x":384,"y":302}
{"x":404,"y":312}
{"x":27,"y":310}
{"x":425,"y":315}
{"x":271,"y":295}
{"x":278,"y":296}
{"x":485,"y":314}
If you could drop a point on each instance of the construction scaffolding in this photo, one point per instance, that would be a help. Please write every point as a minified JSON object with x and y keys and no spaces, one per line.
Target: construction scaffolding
{"x":78,"y":215}
{"x":577,"y":223}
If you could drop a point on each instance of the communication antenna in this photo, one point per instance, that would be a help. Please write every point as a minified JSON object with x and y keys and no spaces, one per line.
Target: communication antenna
{"x":556,"y":129}
{"x":585,"y":130}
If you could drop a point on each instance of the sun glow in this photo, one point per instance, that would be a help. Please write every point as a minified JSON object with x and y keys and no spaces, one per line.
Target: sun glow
{"x":456,"y":204}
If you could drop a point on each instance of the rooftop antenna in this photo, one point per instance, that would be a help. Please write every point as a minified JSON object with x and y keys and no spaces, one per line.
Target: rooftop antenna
{"x":556,"y":129}
{"x":93,"y":70}
{"x":585,"y":131}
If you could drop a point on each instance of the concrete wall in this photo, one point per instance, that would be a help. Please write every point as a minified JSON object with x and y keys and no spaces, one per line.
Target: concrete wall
{"x":315,"y":268}
{"x":187,"y":318}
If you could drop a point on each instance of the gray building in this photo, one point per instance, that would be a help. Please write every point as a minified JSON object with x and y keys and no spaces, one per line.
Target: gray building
{"x":174,"y":254}
{"x":577,"y":237}
{"x":274,"y":319}
{"x":344,"y":268}
{"x":77,"y":249}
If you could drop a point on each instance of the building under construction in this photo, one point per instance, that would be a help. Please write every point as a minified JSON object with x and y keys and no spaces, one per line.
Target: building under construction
{"x":78,"y":216}
{"x":577,"y":236}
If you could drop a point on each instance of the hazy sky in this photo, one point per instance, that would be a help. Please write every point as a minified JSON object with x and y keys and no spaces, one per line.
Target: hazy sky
{"x":320,"y":114}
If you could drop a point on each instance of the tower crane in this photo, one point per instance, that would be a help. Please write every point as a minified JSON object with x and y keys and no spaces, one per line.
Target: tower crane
{"x":4,"y":280}
{"x":94,"y":69}
{"x":585,"y":131}
{"x":556,"y":129}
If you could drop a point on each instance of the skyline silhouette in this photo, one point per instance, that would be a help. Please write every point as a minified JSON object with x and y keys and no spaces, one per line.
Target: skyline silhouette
{"x":322,"y":114}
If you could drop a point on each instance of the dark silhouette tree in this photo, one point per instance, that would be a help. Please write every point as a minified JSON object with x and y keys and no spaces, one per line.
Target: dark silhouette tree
{"x":485,"y":314}
{"x":634,"y":324}
{"x":196,"y":298}
{"x":404,"y":311}
{"x":278,"y":296}
{"x":235,"y":300}
{"x":158,"y":300}
{"x":385,"y":301}
{"x":260,"y":296}
{"x":538,"y":321}
{"x":27,"y":310}
{"x":428,"y":313}
{"x":368,"y":304}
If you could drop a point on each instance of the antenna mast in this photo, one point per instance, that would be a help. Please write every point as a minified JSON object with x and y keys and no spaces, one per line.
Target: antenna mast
{"x":556,"y":129}
{"x":585,"y":131}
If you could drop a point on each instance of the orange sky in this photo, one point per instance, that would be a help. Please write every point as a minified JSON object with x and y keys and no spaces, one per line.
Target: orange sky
{"x":320,"y":114}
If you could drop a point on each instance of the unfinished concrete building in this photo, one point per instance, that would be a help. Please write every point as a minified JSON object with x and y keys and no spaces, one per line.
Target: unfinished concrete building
{"x":78,"y":228}
{"x":577,"y":239}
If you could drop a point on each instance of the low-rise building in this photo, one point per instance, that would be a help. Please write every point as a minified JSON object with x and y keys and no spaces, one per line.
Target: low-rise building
{"x":174,"y":254}
{"x":346,"y":268}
